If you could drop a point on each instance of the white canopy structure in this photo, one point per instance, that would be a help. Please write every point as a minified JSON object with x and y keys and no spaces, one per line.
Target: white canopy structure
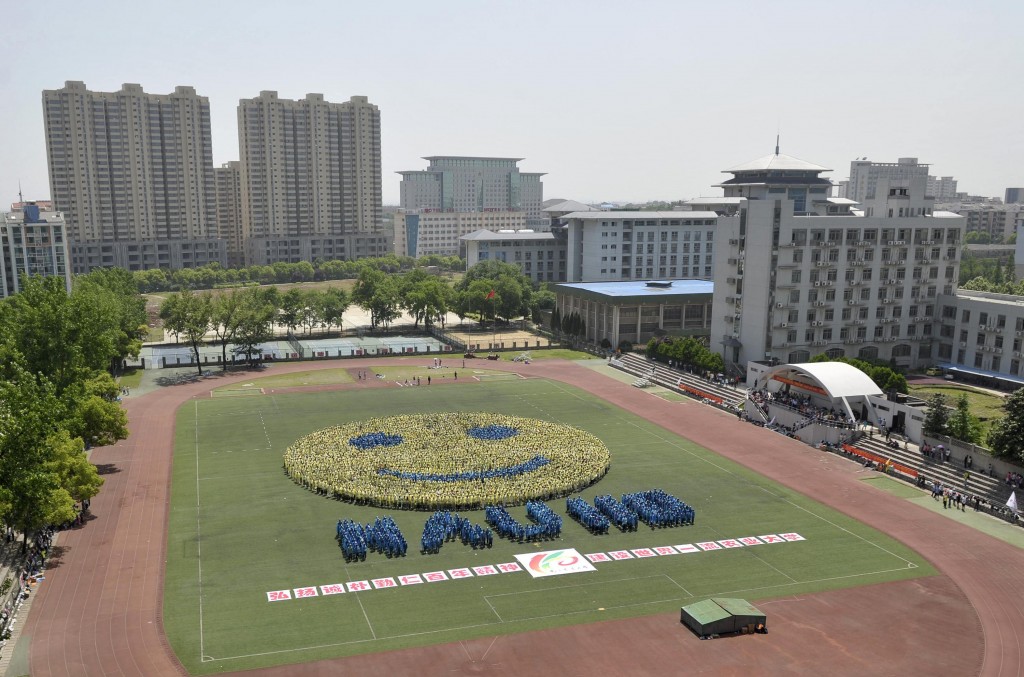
{"x":833,"y":384}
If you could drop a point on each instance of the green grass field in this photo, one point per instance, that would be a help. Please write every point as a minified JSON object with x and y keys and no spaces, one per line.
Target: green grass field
{"x":240,"y":528}
{"x":983,"y":404}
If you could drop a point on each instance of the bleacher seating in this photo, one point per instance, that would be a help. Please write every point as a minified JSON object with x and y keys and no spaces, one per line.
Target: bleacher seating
{"x":682,"y":381}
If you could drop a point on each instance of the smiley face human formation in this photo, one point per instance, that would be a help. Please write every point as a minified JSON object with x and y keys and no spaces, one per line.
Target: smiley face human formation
{"x":447,"y":460}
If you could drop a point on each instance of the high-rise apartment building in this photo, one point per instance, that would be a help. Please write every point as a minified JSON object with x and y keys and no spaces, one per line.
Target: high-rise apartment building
{"x":1014,"y":196}
{"x":942,"y":187}
{"x":32,"y":242}
{"x":310,"y":171}
{"x":865,"y":175}
{"x":474,"y":184}
{"x":799,"y":273}
{"x":228,"y":182}
{"x":130,"y":169}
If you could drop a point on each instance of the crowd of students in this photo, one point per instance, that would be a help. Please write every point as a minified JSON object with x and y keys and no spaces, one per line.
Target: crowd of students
{"x":587,"y":515}
{"x":547,"y":525}
{"x":382,"y":536}
{"x":619,"y":515}
{"x":440,"y":464}
{"x":658,"y":508}
{"x":444,"y":526}
{"x":802,"y":405}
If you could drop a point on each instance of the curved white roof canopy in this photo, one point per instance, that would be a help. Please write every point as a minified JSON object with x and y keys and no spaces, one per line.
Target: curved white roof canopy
{"x":837,"y":378}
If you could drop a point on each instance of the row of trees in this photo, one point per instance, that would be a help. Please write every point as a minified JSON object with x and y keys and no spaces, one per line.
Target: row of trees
{"x":958,"y":422}
{"x":57,"y":394}
{"x":985,"y":284}
{"x":983,"y":237}
{"x":685,"y":351}
{"x":246,"y":317}
{"x":1006,"y":436}
{"x":994,"y":271}
{"x":572,"y":324}
{"x":214,"y":275}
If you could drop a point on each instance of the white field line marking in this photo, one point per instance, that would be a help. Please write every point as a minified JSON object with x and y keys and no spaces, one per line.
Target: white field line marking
{"x":677,"y":585}
{"x":357,"y":641}
{"x":199,"y":541}
{"x":359,"y":599}
{"x":571,"y":613}
{"x":270,"y":444}
{"x":777,"y":496}
{"x":489,"y":647}
{"x":712,"y":594}
{"x":493,"y":609}
{"x":576,"y":585}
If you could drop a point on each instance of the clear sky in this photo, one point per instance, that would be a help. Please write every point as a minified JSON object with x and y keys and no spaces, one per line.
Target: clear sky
{"x":614,"y":100}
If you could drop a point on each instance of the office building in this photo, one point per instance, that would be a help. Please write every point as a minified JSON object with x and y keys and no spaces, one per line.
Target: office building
{"x":799,"y":273}
{"x":638,"y":245}
{"x":128,"y":169}
{"x":419,"y":233}
{"x":474,"y":184}
{"x":541,"y":256}
{"x":636,"y":311}
{"x":310,"y":171}
{"x":33,"y":241}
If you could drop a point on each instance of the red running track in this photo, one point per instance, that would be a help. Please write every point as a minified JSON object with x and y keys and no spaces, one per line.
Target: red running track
{"x":99,"y":612}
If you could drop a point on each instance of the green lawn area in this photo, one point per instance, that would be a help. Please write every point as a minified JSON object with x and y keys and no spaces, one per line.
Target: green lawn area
{"x":549,"y":354}
{"x":986,"y":406}
{"x":300,"y":378}
{"x":240,"y":528}
{"x":131,"y":377}
{"x":341,"y":375}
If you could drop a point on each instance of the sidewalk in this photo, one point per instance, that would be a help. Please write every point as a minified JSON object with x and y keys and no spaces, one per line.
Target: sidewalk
{"x":14,"y":654}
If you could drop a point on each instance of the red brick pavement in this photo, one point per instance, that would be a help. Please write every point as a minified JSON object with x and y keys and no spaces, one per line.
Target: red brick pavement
{"x":99,"y":612}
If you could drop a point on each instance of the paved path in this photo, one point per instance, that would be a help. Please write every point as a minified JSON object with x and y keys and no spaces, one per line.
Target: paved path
{"x":100,"y":612}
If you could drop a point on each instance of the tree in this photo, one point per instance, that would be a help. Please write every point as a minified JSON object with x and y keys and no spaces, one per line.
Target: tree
{"x":255,"y":323}
{"x":962,"y":424}
{"x":513,"y":290}
{"x":424,"y":296}
{"x":334,"y":302}
{"x":292,"y":304}
{"x":1006,"y":436}
{"x":936,"y":419}
{"x":42,"y":468}
{"x":225,"y":312}
{"x":377,"y":292}
{"x":94,"y":413}
{"x":65,"y":337}
{"x":189,"y":314}
{"x":556,"y":321}
{"x":117,"y":287}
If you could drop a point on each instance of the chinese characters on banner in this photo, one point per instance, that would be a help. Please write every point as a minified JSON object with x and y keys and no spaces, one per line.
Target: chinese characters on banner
{"x":553,"y":562}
